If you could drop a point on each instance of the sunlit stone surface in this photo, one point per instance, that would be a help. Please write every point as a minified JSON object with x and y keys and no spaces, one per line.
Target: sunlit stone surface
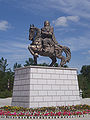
{"x":39,"y":86}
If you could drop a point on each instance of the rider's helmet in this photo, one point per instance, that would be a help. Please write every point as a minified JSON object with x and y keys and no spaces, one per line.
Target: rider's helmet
{"x":46,"y":23}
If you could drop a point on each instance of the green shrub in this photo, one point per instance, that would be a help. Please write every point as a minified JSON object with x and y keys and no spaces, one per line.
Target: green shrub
{"x":5,"y":94}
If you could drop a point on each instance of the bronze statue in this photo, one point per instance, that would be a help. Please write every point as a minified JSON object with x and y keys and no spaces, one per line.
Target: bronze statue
{"x":44,"y":43}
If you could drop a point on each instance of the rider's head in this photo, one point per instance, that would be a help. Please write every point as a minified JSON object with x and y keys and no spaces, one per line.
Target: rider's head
{"x":46,"y":23}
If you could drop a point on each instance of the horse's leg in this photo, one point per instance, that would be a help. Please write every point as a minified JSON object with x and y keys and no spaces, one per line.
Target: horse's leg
{"x":53,"y":60}
{"x":62,"y":61}
{"x":60,"y":56}
{"x":35,"y":60}
{"x":30,"y":49}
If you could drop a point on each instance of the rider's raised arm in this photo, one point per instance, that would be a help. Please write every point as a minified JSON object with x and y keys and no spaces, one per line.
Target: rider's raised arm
{"x":51,"y":31}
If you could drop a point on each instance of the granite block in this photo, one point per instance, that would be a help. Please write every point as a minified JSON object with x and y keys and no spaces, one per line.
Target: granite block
{"x":47,"y":98}
{"x":43,"y":93}
{"x":59,"y":93}
{"x":64,"y":76}
{"x":43,"y":104}
{"x":64,"y":98}
{"x":68,"y":92}
{"x":59,"y":82}
{"x":50,"y":82}
{"x":38,"y":99}
{"x":55,"y":87}
{"x":34,"y":93}
{"x":64,"y":87}
{"x":46,"y":87}
{"x":56,"y":98}
{"x":52,"y":93}
{"x":40,"y":86}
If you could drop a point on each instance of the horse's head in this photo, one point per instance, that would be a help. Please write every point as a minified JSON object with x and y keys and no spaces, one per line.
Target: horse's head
{"x":31,"y":32}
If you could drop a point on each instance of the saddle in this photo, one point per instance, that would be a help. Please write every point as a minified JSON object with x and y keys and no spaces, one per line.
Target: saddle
{"x":48,"y":45}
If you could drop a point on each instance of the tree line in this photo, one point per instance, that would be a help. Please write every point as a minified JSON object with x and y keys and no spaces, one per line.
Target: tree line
{"x":7,"y":77}
{"x":84,"y":81}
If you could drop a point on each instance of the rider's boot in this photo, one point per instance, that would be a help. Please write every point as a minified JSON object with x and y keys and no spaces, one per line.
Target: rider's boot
{"x":36,"y":54}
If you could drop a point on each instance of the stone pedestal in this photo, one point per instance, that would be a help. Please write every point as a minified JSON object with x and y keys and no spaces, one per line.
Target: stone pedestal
{"x":39,"y":86}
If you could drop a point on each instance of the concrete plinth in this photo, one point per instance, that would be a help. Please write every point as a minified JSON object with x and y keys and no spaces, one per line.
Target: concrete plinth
{"x":39,"y":86}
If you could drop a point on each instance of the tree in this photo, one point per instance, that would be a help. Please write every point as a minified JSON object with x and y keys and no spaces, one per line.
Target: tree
{"x":6,"y":79}
{"x":28,"y":62}
{"x":3,"y":80}
{"x":82,"y":85}
{"x":56,"y":65}
{"x":65,"y":66}
{"x":16,"y":65}
{"x":84,"y":80}
{"x":3,"y":64}
{"x":42,"y":64}
{"x":86,"y":72}
{"x":10,"y":79}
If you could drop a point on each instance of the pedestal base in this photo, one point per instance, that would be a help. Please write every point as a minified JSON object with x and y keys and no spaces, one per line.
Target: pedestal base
{"x":39,"y":86}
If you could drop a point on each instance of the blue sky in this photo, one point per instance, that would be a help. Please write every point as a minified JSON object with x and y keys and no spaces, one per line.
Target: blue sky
{"x":70,"y":19}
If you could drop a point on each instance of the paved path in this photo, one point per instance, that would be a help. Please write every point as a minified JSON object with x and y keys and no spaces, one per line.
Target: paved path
{"x":81,"y":118}
{"x":85,"y":101}
{"x":7,"y":101}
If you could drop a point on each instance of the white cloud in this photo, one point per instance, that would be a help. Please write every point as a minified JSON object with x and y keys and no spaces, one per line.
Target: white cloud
{"x":4,"y":25}
{"x":14,"y":51}
{"x":88,"y":51}
{"x":73,"y":18}
{"x":71,"y":7}
{"x":63,"y":21}
{"x":78,"y":43}
{"x":13,"y":47}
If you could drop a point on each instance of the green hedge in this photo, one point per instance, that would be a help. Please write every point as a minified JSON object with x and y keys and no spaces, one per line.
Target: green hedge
{"x":5,"y":94}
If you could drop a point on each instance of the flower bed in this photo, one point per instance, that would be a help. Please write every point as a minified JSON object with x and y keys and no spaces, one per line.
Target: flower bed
{"x":60,"y":111}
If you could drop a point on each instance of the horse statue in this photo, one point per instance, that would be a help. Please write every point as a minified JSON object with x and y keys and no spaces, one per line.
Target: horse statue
{"x":50,"y":50}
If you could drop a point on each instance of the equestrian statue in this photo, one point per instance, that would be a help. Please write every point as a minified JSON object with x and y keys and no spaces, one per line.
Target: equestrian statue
{"x":44,"y":43}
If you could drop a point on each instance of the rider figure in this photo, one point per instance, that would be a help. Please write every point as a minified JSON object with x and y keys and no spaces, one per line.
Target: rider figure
{"x":47,"y":33}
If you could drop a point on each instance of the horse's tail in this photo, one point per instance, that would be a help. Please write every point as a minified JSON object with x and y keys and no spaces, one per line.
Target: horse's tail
{"x":68,"y":53}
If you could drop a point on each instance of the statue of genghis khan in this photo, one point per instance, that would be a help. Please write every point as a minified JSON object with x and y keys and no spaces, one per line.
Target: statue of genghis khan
{"x":44,"y":43}
{"x":47,"y":32}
